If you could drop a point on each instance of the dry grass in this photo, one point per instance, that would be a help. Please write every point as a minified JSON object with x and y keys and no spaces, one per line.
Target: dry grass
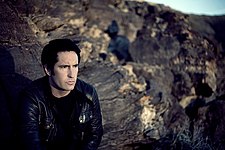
{"x":180,"y":141}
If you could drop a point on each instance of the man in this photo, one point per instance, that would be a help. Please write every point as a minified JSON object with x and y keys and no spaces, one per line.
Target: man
{"x":60,"y":111}
{"x":119,"y":44}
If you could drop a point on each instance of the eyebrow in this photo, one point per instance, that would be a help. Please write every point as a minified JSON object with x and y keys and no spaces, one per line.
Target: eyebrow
{"x":66,"y":65}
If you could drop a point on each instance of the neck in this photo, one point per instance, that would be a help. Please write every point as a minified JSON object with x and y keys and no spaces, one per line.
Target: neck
{"x":58,"y":93}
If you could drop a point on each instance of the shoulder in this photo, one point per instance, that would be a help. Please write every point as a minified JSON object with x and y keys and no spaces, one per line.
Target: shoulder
{"x":36,"y":86}
{"x":85,"y":88}
{"x":122,"y":38}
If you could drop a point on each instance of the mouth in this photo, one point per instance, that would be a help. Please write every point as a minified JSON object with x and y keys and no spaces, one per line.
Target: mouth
{"x":71,"y":82}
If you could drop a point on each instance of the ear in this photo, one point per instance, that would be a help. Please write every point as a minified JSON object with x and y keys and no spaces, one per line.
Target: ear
{"x":47,"y":71}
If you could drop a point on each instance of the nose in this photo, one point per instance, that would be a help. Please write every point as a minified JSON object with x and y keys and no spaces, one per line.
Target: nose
{"x":71,"y":72}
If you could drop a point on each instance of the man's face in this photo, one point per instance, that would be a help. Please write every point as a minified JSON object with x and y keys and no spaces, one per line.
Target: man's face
{"x":65,"y":73}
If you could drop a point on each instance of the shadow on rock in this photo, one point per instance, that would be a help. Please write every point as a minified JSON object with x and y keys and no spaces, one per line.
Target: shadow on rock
{"x":10,"y":85}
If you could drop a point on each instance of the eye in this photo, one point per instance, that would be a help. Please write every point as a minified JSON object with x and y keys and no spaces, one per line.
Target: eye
{"x":63,"y":66}
{"x":75,"y":66}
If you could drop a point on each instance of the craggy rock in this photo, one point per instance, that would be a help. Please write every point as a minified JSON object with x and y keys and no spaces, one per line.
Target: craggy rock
{"x":143,"y":101}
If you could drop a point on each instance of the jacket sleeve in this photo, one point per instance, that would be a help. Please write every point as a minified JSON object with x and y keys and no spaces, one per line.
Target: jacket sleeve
{"x":28,"y":122}
{"x":93,"y":135}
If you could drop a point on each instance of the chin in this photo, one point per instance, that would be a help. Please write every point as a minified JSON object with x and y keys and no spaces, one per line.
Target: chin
{"x":70,"y":88}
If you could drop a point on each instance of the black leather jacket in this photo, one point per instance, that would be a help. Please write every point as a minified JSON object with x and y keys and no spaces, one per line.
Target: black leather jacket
{"x":37,"y":125}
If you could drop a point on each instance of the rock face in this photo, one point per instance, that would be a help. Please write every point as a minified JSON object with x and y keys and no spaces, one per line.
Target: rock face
{"x":144,"y":101}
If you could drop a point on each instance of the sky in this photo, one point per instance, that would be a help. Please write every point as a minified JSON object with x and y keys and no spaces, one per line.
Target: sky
{"x":198,"y":7}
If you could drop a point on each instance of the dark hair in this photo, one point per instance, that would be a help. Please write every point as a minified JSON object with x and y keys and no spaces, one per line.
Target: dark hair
{"x":112,"y":29}
{"x":49,"y":54}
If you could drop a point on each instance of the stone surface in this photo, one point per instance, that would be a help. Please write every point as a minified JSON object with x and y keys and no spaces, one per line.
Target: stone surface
{"x":143,"y":101}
